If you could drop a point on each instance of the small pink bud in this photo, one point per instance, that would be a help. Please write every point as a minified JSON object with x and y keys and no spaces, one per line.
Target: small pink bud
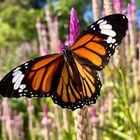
{"x":94,"y":118}
{"x":38,"y":24}
{"x":43,"y":31}
{"x":111,"y":95}
{"x":30,"y":105}
{"x":67,"y":41}
{"x":102,"y":108}
{"x":118,"y":5}
{"x":45,"y":110}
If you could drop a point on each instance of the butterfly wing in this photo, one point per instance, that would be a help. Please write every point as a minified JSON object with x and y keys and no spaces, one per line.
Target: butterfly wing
{"x":67,"y":94}
{"x":98,"y":42}
{"x":33,"y":78}
{"x":51,"y":75}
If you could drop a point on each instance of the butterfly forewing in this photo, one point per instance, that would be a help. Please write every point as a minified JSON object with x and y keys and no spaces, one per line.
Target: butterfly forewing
{"x":33,"y":78}
{"x":98,"y":42}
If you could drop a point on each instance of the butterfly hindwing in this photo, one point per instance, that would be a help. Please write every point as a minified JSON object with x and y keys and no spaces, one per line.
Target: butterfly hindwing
{"x":67,"y":94}
{"x":33,"y":78}
{"x":98,"y":42}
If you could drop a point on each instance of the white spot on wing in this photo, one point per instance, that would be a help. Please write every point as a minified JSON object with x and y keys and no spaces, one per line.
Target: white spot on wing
{"x":100,"y":21}
{"x":124,"y":17}
{"x":16,"y":76}
{"x":16,"y":69}
{"x":23,"y":86}
{"x":105,"y":26}
{"x":20,"y":90}
{"x":91,"y":26}
{"x":104,"y":22}
{"x":114,"y":40}
{"x":108,"y":32}
{"x":109,"y":39}
{"x":15,"y":73}
{"x":18,"y":82}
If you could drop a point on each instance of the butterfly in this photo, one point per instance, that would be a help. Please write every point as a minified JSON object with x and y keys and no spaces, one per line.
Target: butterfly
{"x":70,"y":78}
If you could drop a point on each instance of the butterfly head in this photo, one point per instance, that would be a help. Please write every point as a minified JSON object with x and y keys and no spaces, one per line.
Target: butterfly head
{"x":66,"y":51}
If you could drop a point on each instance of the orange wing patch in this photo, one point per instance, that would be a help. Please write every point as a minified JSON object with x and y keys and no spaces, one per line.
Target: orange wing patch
{"x":96,"y":48}
{"x":66,"y":89}
{"x":84,"y":39}
{"x":43,"y":72}
{"x":87,"y":54}
{"x":90,"y":47}
{"x":37,"y":79}
{"x":59,"y":88}
{"x":97,"y":39}
{"x":64,"y":94}
{"x":51,"y":70}
{"x":72,"y":98}
{"x":45,"y":61}
{"x":87,"y":79}
{"x":77,"y":95}
{"x":31,"y":74}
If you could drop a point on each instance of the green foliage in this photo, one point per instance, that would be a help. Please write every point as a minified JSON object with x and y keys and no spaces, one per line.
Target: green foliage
{"x":17,"y":25}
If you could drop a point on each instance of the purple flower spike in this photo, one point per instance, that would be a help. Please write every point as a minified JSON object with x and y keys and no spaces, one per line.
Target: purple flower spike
{"x":43,"y":32}
{"x":133,"y":7}
{"x":45,"y":110}
{"x":133,"y":4}
{"x":60,"y":46}
{"x":45,"y":120}
{"x":102,"y":108}
{"x":129,"y":12}
{"x":30,"y":105}
{"x":74,"y":26}
{"x":94,"y":118}
{"x":118,"y":5}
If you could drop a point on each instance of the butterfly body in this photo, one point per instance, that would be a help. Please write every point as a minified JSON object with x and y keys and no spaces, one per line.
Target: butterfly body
{"x":71,"y":65}
{"x":69,"y":78}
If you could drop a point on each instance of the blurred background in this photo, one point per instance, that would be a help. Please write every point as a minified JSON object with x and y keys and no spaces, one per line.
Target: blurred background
{"x":31,"y":28}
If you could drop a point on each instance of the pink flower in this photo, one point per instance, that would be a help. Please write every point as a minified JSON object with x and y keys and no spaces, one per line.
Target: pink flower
{"x":118,"y":5}
{"x":43,"y":31}
{"x":131,"y":11}
{"x":30,"y":105}
{"x":94,"y":118}
{"x":102,"y":108}
{"x":38,"y":24}
{"x":18,"y":122}
{"x":45,"y":110}
{"x":45,"y":120}
{"x":74,"y":26}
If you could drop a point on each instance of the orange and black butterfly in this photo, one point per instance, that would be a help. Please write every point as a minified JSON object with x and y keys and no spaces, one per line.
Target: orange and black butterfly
{"x":69,"y":78}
